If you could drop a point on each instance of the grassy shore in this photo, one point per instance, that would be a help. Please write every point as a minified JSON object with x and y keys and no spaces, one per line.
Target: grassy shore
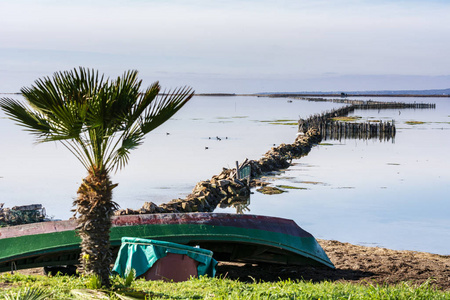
{"x":361,"y":273}
{"x":64,"y":287}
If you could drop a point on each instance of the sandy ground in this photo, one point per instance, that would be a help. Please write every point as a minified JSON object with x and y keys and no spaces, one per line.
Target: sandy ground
{"x":357,"y":264}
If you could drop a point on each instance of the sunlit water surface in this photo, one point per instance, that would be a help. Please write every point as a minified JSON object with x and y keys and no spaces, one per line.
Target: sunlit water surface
{"x":392,"y":194}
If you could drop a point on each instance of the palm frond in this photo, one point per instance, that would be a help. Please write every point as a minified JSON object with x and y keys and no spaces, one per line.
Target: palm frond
{"x":144,"y":101}
{"x":99,"y":120}
{"x":120,"y":156}
{"x":164,"y":108}
{"x":28,"y":294}
{"x":32,"y":121}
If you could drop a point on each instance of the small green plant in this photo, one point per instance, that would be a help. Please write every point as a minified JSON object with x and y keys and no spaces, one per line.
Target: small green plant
{"x":130,"y":277}
{"x":28,"y":294}
{"x":94,"y":282}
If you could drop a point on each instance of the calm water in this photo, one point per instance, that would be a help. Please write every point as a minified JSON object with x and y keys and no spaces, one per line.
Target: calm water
{"x":390,"y":194}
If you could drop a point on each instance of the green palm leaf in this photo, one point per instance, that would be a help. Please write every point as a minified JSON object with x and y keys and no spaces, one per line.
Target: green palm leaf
{"x":99,"y":120}
{"x":28,"y":294}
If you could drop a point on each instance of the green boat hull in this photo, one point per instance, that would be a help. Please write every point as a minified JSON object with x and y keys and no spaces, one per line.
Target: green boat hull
{"x":241,"y":238}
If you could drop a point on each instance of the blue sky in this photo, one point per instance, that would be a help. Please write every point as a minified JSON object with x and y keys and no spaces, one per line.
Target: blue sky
{"x":232,"y":46}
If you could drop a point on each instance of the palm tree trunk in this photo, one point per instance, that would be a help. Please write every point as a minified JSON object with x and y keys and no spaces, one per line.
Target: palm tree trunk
{"x":95,"y":207}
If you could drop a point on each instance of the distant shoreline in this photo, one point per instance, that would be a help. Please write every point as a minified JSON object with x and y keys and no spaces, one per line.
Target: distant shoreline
{"x":353,"y":95}
{"x":282,"y":95}
{"x":289,"y":95}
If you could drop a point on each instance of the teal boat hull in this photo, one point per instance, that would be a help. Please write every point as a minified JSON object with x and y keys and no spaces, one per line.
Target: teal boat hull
{"x":232,"y":237}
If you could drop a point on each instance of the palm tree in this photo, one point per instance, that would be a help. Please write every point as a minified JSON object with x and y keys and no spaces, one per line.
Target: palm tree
{"x":100,"y":121}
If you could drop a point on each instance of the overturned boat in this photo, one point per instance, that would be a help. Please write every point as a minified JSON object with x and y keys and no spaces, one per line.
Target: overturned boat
{"x":231,"y":237}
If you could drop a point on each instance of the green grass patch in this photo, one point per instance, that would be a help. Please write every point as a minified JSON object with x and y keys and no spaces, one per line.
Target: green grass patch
{"x":284,"y":120}
{"x":270,"y":190}
{"x":277,"y":176}
{"x":414,"y":122}
{"x":346,"y":119}
{"x":289,"y":187}
{"x":63,"y":287}
{"x":281,"y":122}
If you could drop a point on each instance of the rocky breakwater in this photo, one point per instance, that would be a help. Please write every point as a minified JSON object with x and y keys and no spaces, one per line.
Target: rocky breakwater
{"x":280,"y":157}
{"x":223,"y":189}
{"x":226,"y":189}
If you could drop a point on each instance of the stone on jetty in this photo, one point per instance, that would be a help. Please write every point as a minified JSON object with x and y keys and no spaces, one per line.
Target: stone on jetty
{"x":24,"y":214}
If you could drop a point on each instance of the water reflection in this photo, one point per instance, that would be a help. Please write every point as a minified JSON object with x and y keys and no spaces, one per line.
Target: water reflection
{"x":240,"y":205}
